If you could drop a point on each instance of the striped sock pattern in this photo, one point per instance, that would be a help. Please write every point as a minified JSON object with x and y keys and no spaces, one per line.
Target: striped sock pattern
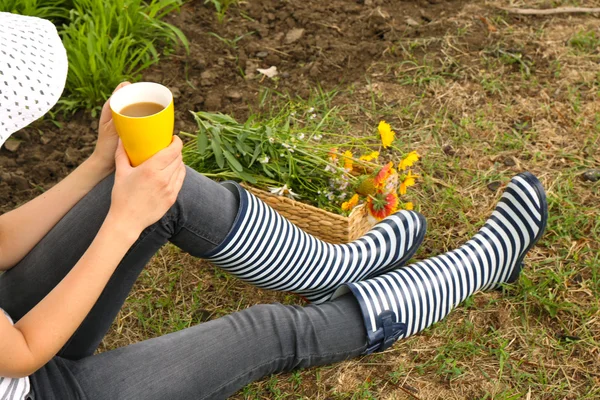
{"x":265,"y":249}
{"x":419,"y":295}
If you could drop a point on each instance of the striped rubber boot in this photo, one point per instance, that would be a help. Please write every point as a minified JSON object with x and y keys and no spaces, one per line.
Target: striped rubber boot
{"x":266,"y":250}
{"x":405,"y":301}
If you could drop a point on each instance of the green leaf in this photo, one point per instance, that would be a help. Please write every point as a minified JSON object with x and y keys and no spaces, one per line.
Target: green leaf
{"x":202,"y":142}
{"x":240,"y":146}
{"x":233,"y":162}
{"x":218,"y":152}
{"x":267,"y":172}
{"x":246,"y":177}
{"x":257,"y":152}
{"x":215,"y":132}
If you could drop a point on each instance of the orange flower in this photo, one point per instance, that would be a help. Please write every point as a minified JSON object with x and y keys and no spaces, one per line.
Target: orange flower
{"x":409,"y":160}
{"x":348,"y":161}
{"x":382,"y":176}
{"x":409,"y":180}
{"x":350,"y":204}
{"x":332,"y":153}
{"x":380,"y":205}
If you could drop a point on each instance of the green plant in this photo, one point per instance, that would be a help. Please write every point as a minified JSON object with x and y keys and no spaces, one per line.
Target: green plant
{"x":49,"y":9}
{"x":221,"y":7}
{"x":107,"y":42}
{"x":586,"y":42}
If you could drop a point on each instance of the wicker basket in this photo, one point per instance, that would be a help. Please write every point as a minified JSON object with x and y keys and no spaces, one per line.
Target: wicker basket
{"x":323,"y":224}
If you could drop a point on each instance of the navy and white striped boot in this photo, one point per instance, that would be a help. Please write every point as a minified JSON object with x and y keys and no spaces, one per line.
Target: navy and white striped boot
{"x":405,"y":301}
{"x":266,"y":250}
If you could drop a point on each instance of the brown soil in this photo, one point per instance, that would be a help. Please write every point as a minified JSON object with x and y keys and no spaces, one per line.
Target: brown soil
{"x":332,"y":44}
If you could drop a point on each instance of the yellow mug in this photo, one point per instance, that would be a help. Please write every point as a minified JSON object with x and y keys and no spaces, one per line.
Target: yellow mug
{"x":143,"y":136}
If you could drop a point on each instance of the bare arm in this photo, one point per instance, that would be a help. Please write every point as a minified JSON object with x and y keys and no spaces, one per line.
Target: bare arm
{"x":21,"y":229}
{"x":41,"y":333}
{"x":140,"y":197}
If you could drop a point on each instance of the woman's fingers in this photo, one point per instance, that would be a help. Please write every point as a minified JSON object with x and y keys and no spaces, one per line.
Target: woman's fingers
{"x":165,"y":157}
{"x":106,"y":115}
{"x":121,"y":159}
{"x":171,"y":169}
{"x":177,"y":178}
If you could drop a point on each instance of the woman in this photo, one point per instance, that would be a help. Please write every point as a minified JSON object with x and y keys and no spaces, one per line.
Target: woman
{"x":72,"y":255}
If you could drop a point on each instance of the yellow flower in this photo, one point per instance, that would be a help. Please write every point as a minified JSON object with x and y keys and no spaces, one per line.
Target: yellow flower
{"x":409,"y":160}
{"x":348,"y":161}
{"x":387,"y":134}
{"x":409,"y":206}
{"x":369,"y":157}
{"x":350,"y":204}
{"x":409,"y":180}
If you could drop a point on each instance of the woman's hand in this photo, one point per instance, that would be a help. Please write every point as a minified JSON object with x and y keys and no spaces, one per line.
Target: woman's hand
{"x":107,"y":136}
{"x":142,"y":195}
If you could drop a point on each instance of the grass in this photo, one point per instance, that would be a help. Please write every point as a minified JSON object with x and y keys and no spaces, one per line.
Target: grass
{"x":107,"y":42}
{"x":221,"y":7}
{"x":499,"y":109}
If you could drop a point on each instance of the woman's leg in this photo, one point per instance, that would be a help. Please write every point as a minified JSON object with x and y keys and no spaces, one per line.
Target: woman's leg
{"x":214,"y":359}
{"x":203,"y":215}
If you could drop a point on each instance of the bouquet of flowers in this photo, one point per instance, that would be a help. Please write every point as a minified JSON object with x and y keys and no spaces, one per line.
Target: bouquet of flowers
{"x":379,"y":187}
{"x":293,"y":160}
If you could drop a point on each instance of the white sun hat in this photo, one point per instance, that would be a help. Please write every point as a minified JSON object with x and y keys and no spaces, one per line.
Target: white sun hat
{"x":33,"y":70}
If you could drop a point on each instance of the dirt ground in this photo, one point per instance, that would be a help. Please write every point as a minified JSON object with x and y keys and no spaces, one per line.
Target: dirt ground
{"x":481,"y":93}
{"x":312,"y":43}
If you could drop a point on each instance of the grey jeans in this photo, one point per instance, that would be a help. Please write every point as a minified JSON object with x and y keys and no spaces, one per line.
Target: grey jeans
{"x":211,"y":360}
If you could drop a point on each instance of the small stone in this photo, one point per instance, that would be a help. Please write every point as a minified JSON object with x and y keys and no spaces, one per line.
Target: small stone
{"x":94,"y":125}
{"x":411,"y":22}
{"x":234,"y":96}
{"x":592,"y":175}
{"x":22,"y":135}
{"x":314,"y":71}
{"x":285,"y":74}
{"x":262,"y":54}
{"x":208,"y":74}
{"x":12,"y":145}
{"x":19,"y":182}
{"x":6,"y":162}
{"x":273,"y":59}
{"x":213,"y":102}
{"x":199,"y":63}
{"x":71,"y":156}
{"x":494,"y":186}
{"x":510,"y":162}
{"x":448,"y":150}
{"x":197,"y":101}
{"x":293,"y":35}
{"x":176,"y":92}
{"x":45,"y":139}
